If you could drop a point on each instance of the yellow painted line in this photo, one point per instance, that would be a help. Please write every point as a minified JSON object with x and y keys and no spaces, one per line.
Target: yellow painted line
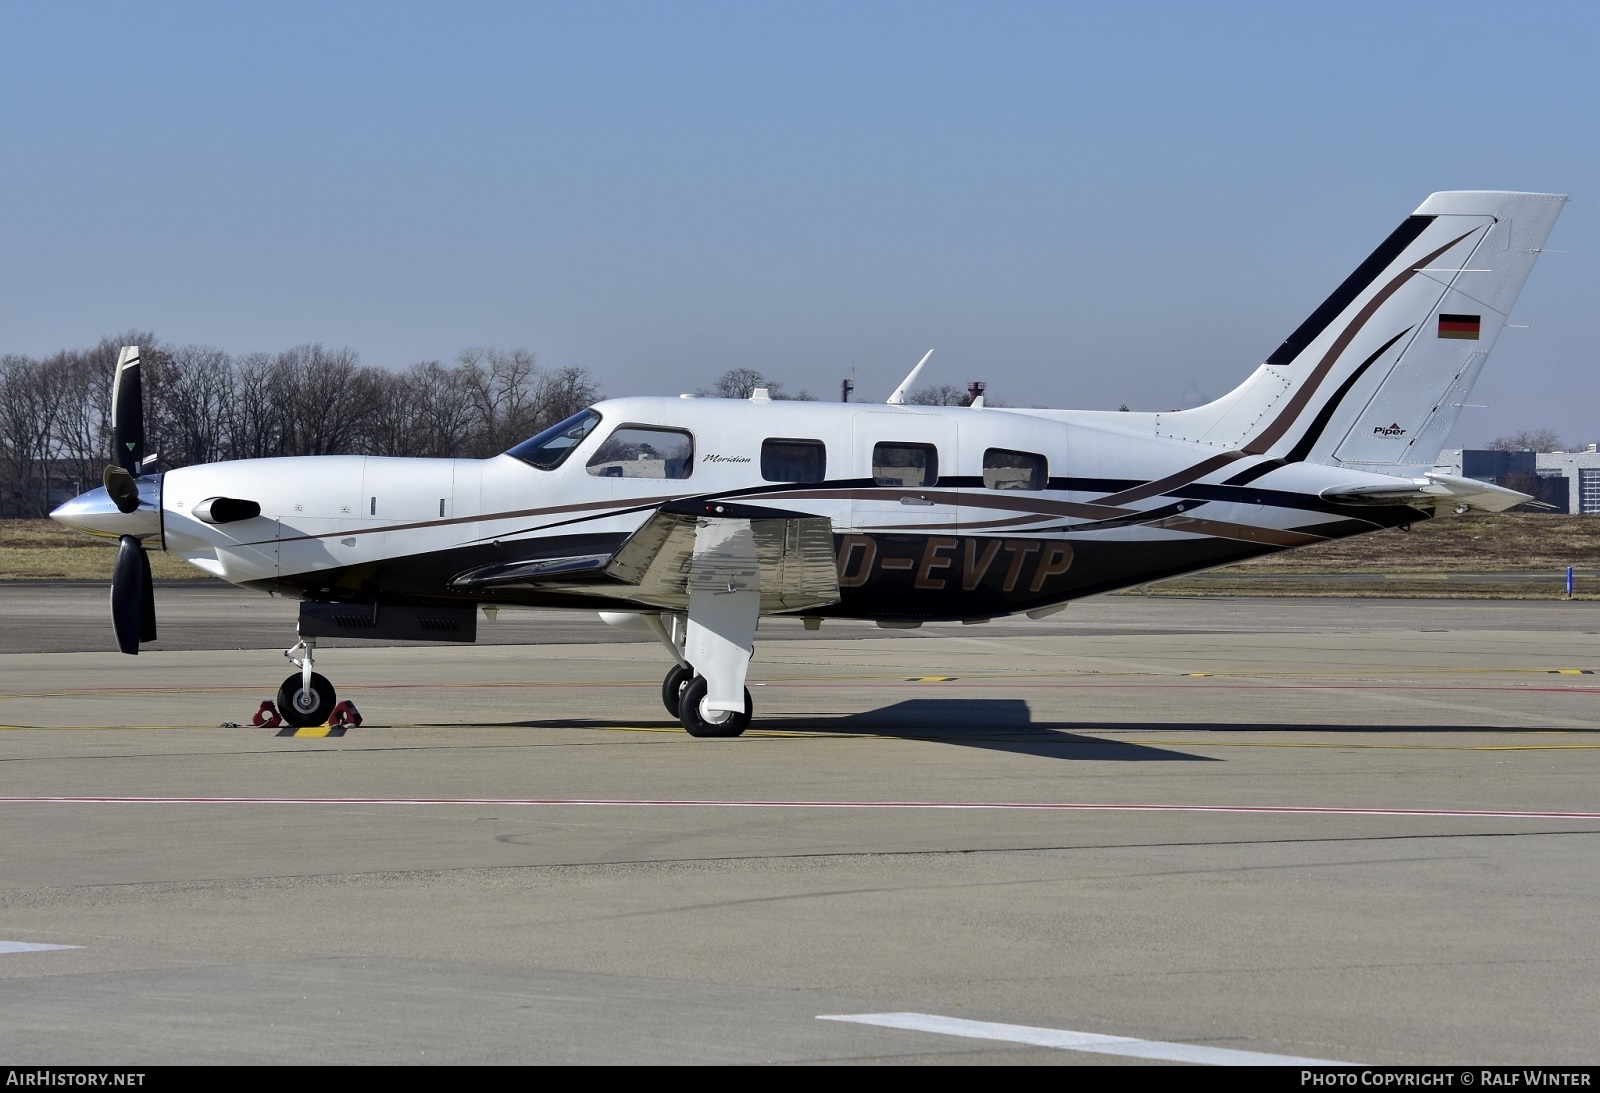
{"x":1387,"y":674}
{"x":775,"y":734}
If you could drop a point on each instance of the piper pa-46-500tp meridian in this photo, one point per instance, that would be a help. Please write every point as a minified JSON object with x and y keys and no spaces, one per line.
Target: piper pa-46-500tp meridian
{"x":693,"y":517}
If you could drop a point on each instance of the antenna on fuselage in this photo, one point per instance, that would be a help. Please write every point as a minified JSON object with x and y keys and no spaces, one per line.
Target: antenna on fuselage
{"x":899,"y":396}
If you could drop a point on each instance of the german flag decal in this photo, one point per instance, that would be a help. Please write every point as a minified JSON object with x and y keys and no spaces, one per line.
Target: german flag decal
{"x":1459,"y":326}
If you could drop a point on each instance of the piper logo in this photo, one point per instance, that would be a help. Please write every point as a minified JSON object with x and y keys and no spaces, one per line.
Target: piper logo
{"x":1391,"y":429}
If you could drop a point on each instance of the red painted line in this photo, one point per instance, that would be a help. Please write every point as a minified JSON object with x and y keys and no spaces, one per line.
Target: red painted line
{"x":1004,"y":806}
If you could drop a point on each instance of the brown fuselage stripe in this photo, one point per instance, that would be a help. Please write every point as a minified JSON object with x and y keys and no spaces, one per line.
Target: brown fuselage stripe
{"x":1172,"y":481}
{"x":1248,"y":533}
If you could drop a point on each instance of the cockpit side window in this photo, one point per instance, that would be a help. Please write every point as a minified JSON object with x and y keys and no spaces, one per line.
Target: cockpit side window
{"x":548,"y":449}
{"x":644,"y":451}
{"x":794,"y":460}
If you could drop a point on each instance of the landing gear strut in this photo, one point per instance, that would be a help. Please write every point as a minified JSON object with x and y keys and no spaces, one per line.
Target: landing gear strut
{"x":711,"y":642}
{"x":306,"y":698}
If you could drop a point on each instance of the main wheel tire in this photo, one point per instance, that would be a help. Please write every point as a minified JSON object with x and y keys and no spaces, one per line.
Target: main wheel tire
{"x":302,"y":708}
{"x":672,"y":688}
{"x":694,"y":720}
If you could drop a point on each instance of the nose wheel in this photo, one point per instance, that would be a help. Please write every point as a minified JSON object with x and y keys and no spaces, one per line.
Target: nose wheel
{"x":304,"y":706}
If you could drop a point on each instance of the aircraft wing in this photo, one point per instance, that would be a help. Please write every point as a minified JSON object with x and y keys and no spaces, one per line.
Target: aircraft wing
{"x":1434,"y":490}
{"x":794,"y":561}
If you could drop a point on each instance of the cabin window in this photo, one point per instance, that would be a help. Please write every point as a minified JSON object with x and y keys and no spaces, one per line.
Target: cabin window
{"x":644,"y":451}
{"x":548,"y":449}
{"x":1004,"y":469}
{"x":896,"y":464}
{"x":794,"y":460}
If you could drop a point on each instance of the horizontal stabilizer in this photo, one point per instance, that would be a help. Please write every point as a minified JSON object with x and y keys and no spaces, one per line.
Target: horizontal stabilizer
{"x":1434,"y":490}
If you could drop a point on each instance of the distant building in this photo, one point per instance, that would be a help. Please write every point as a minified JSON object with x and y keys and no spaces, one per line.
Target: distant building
{"x":1566,"y":481}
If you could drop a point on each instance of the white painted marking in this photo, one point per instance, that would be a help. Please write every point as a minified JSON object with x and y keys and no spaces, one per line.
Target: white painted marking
{"x":1000,"y":806}
{"x":1068,"y":1040}
{"x":31,"y":947}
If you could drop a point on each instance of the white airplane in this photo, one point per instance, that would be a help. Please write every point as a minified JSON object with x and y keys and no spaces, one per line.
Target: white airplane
{"x":693,"y":517}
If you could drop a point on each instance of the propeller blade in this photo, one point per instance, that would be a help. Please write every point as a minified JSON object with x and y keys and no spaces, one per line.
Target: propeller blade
{"x":133,"y":613}
{"x":127,"y":413}
{"x":121,"y":488}
{"x":147,"y":616}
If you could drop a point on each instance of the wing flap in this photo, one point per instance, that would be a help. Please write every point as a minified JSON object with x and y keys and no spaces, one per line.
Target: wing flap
{"x":795,"y":567}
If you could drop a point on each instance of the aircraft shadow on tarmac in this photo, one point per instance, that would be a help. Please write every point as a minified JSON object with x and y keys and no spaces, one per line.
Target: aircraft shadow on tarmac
{"x":993,"y":724}
{"x":1007,"y":724}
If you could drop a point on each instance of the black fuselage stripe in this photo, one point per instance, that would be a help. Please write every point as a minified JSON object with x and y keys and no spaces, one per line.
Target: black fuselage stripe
{"x":1368,"y":271}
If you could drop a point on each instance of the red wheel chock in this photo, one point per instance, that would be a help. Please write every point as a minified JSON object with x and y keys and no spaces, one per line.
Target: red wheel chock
{"x":267,"y":716}
{"x":344,"y":715}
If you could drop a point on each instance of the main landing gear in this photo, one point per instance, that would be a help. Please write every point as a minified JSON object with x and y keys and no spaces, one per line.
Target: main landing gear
{"x":712,"y":642}
{"x":683,"y":694}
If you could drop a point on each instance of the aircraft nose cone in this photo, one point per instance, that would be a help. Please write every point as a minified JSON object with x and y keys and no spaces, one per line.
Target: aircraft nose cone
{"x":95,"y":513}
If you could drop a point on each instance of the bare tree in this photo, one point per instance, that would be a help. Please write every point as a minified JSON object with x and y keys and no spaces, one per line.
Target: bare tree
{"x":80,"y":444}
{"x":253,"y":430}
{"x":443,"y":414}
{"x":189,"y":393}
{"x":1537,"y":440}
{"x":946,"y":394}
{"x":25,"y":422}
{"x":503,"y":385}
{"x":201,"y":405}
{"x":560,"y":394}
{"x":742,"y":382}
{"x":321,"y":399}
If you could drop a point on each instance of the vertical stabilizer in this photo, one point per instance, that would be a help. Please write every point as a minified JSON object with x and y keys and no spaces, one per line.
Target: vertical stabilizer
{"x":1377,"y":375}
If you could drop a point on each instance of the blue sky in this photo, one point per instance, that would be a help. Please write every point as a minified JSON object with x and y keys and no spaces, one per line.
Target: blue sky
{"x":1082,"y":204}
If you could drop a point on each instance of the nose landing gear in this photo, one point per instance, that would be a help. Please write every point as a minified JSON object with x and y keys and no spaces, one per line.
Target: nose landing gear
{"x":306,"y":698}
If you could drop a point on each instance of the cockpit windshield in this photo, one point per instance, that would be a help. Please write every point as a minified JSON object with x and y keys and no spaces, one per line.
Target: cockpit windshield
{"x":546,"y":450}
